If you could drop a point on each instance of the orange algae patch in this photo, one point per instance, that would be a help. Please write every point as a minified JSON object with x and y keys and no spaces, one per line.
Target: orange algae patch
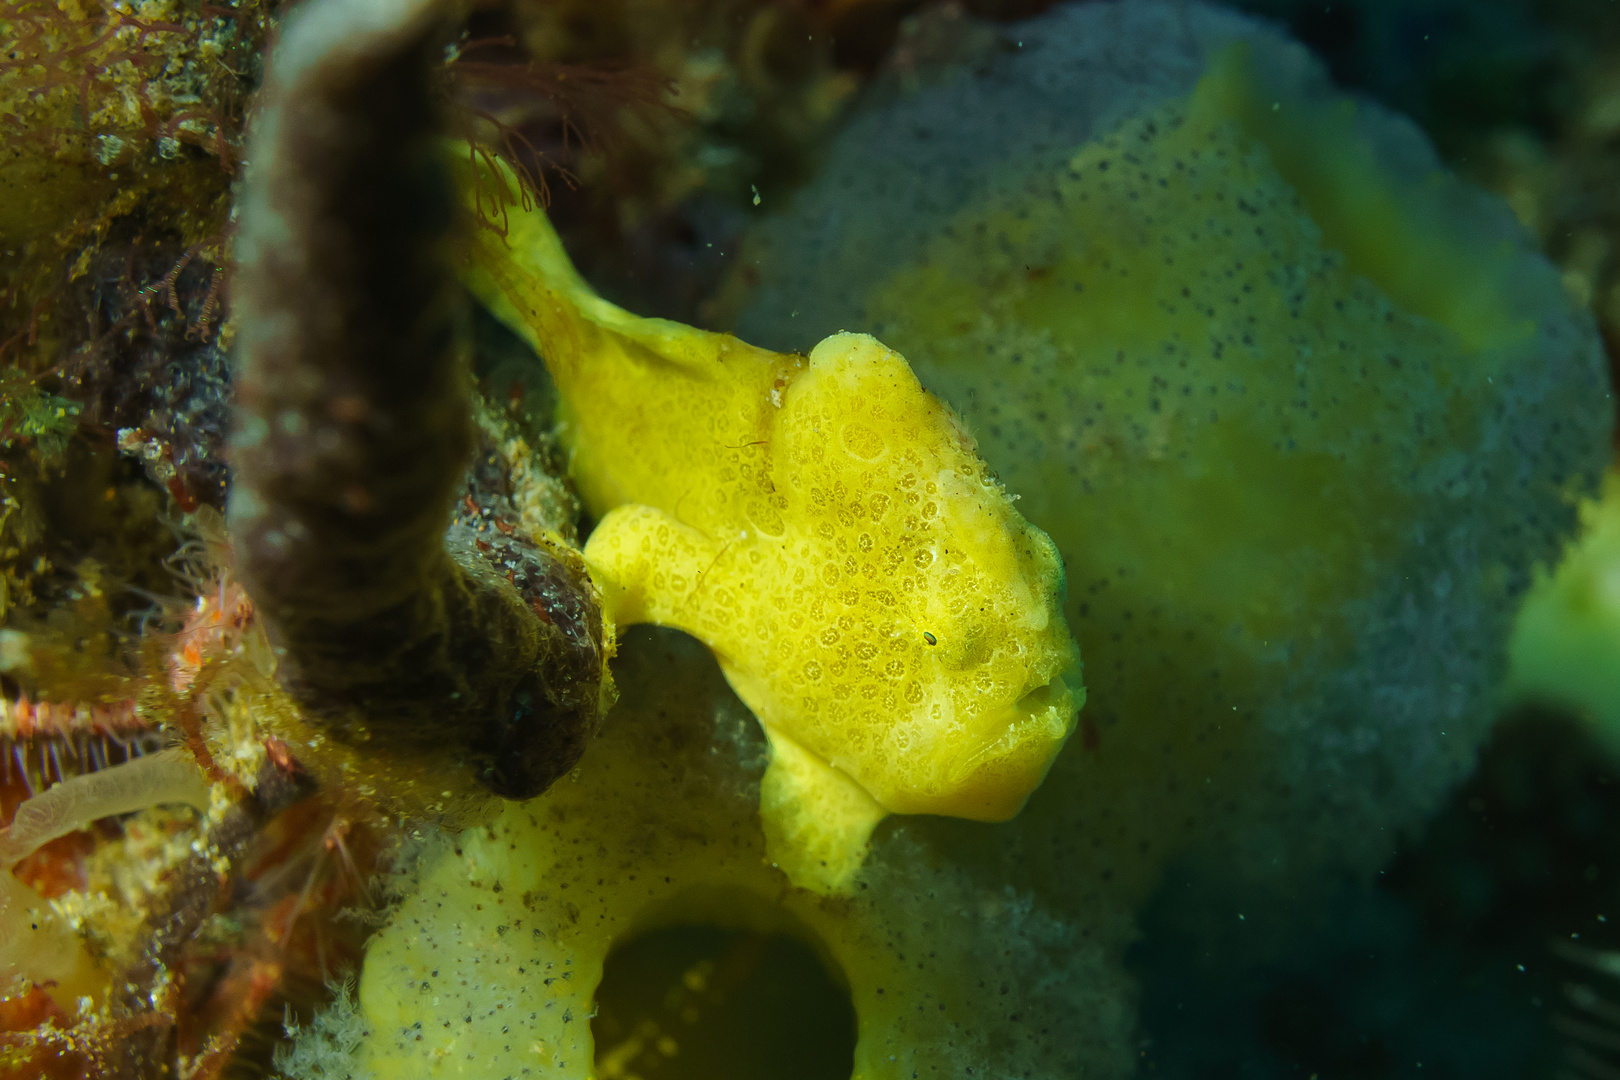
{"x":23,"y":1014}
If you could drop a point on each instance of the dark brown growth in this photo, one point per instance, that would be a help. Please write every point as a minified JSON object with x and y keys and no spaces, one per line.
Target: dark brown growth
{"x":193,"y":890}
{"x":151,"y":371}
{"x":353,"y":433}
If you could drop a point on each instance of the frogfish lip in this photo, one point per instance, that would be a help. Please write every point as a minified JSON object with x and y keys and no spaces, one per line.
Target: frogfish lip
{"x":991,"y":779}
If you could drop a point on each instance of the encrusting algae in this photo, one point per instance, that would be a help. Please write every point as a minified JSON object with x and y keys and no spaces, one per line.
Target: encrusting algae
{"x":824,"y":525}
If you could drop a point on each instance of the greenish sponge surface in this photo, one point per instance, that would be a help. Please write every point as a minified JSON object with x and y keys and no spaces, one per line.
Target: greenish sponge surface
{"x":1300,"y":409}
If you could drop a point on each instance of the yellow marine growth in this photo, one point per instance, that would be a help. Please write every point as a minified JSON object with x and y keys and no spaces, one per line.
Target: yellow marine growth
{"x":1566,"y":641}
{"x":826,"y":527}
{"x":489,"y":967}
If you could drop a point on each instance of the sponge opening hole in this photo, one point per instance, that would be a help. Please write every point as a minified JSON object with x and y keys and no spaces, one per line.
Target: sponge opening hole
{"x":699,"y":1001}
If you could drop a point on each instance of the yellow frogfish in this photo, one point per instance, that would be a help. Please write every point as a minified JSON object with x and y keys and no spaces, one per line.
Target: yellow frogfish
{"x":827,"y":528}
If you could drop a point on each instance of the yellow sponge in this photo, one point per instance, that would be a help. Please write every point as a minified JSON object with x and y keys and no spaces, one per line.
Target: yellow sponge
{"x":1299,"y":409}
{"x":489,"y":968}
{"x":1566,"y":640}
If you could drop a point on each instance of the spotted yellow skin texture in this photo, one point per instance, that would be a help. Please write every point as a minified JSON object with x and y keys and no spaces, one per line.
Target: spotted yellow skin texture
{"x":827,"y":528}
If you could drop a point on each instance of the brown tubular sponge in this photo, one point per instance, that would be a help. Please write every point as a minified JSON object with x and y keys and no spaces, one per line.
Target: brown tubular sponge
{"x":353,"y":432}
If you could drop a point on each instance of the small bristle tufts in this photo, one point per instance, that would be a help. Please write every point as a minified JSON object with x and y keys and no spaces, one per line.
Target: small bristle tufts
{"x":23,"y":719}
{"x":39,"y":761}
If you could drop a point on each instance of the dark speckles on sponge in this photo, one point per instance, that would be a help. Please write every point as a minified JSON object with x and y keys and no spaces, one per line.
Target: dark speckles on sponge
{"x":1325,"y":483}
{"x":1296,"y":496}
